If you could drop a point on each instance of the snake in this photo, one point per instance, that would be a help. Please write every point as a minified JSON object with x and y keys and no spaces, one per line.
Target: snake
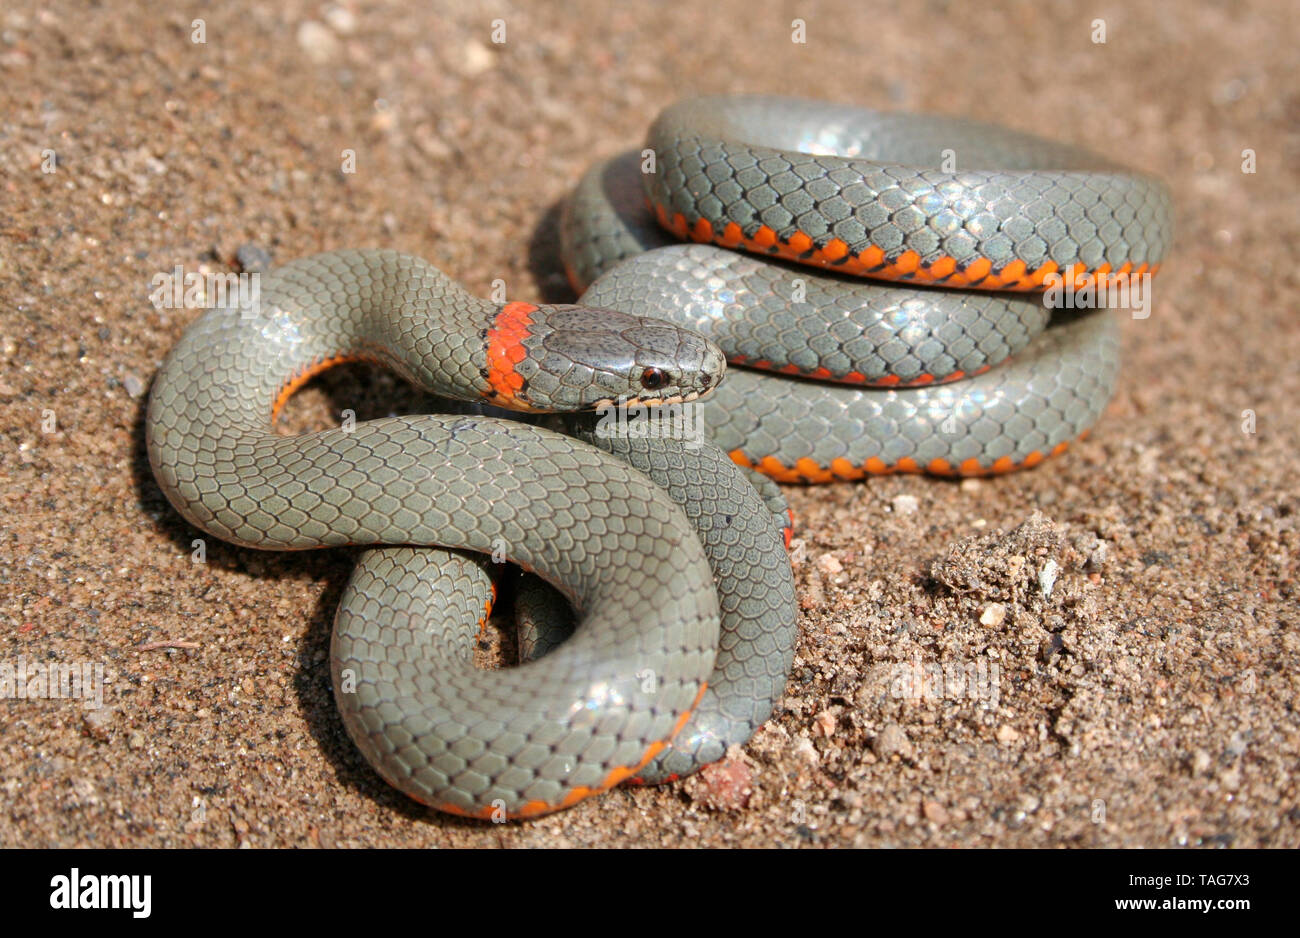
{"x":671,"y":551}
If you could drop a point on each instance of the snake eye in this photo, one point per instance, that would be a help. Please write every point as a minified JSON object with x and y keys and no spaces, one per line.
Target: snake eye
{"x":652,"y":379}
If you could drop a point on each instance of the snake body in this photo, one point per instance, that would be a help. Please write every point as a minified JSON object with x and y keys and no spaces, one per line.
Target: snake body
{"x":686,"y":601}
{"x":825,"y":191}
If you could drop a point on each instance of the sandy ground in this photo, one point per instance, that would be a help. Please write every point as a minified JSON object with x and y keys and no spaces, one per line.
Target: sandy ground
{"x":1149,"y":699}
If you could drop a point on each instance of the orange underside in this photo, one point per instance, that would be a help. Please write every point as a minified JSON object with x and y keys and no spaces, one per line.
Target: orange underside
{"x":854,"y":377}
{"x":872,"y":262}
{"x":487,"y":610}
{"x":311,"y":371}
{"x":616,"y":776}
{"x":808,"y":470}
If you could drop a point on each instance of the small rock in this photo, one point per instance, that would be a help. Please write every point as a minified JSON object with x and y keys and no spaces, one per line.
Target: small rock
{"x":804,"y":749}
{"x":340,"y":20}
{"x":1230,"y":779}
{"x":83,"y":793}
{"x":1236,"y":744}
{"x":475,"y":58}
{"x":317,"y":41}
{"x":829,"y":565}
{"x":1007,"y":735}
{"x":1200,"y":762}
{"x":384,"y":119}
{"x":134,"y":386}
{"x":1047,"y":577}
{"x":436,"y":148}
{"x":826,"y":720}
{"x":723,"y":786}
{"x":98,"y":722}
{"x":252,"y":258}
{"x":136,"y":740}
{"x":993,"y":615}
{"x":935,"y":812}
{"x":1050,"y":646}
{"x":905,"y":504}
{"x":892,"y":740}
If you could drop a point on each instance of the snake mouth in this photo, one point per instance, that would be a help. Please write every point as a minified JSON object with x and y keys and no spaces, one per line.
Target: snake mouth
{"x":686,"y":398}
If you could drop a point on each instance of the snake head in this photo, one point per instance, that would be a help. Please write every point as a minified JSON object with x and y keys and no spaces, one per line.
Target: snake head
{"x":581,"y":358}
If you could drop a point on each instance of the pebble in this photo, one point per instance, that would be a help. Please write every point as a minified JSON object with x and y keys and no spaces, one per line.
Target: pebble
{"x":827,"y":563}
{"x":98,"y":722}
{"x":252,"y":258}
{"x":826,"y":721}
{"x":892,"y":740}
{"x":340,"y":20}
{"x":723,"y":786}
{"x":134,"y":386}
{"x":476,"y":58}
{"x":317,"y":41}
{"x":1047,"y":577}
{"x":994,"y":614}
{"x":1236,"y":744}
{"x":1007,"y":734}
{"x":905,"y":504}
{"x":936,"y":813}
{"x":804,"y":749}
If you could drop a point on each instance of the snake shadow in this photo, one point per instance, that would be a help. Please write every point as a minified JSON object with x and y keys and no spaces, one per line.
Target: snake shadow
{"x":544,"y":263}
